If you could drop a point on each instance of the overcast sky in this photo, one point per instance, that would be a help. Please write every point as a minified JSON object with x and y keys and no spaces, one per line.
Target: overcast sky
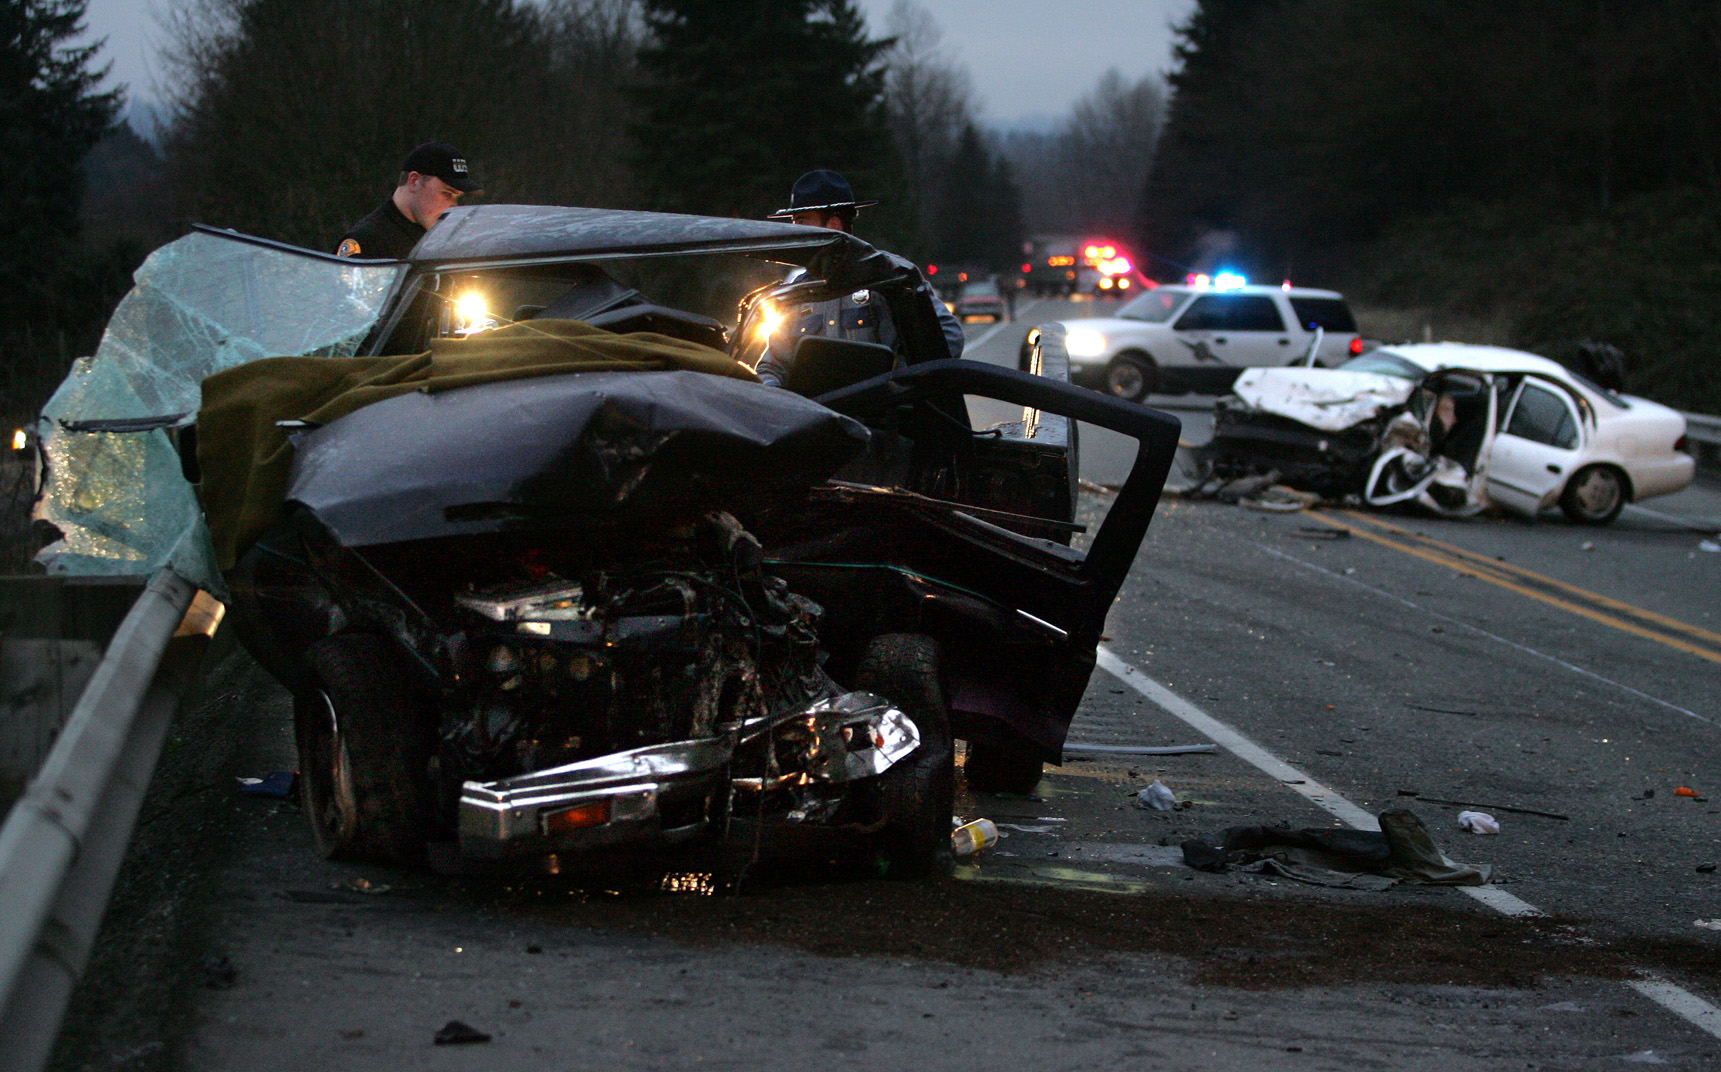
{"x":1031,"y":59}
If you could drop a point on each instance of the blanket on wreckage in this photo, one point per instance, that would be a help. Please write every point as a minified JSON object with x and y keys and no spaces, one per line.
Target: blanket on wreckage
{"x":245,"y":458}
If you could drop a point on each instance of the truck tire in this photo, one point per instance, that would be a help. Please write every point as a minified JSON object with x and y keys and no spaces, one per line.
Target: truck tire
{"x":1002,"y":766}
{"x":917,"y":795}
{"x":364,"y":736}
{"x":1131,"y":376}
{"x":1594,"y":495}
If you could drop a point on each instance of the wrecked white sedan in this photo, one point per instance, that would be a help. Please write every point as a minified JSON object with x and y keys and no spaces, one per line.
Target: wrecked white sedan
{"x":1453,"y":428}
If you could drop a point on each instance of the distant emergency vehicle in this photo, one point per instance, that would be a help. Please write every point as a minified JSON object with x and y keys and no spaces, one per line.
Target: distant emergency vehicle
{"x":1070,"y":265}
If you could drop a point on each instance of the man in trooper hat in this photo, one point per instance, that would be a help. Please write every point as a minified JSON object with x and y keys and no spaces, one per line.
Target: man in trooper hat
{"x":823,"y":198}
{"x":432,"y":178}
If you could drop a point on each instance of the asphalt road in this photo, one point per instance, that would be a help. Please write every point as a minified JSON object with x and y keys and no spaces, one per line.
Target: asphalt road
{"x":1527,"y":668}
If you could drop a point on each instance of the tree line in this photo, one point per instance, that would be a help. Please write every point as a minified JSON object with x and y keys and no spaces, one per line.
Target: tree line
{"x":1547,"y":164}
{"x":286,"y":119}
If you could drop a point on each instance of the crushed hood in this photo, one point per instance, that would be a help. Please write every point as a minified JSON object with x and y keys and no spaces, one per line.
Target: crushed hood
{"x":1327,"y":399}
{"x":561,"y":451}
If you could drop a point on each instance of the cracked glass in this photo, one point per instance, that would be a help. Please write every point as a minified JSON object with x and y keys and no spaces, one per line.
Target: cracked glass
{"x":199,"y":305}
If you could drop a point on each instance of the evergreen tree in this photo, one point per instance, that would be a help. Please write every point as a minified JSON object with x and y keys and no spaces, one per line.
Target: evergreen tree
{"x":739,"y":97}
{"x":50,"y":117}
{"x":292,"y":115}
{"x":981,"y":221}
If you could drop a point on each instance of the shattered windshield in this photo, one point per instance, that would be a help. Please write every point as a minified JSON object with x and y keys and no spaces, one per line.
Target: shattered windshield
{"x":201,"y":304}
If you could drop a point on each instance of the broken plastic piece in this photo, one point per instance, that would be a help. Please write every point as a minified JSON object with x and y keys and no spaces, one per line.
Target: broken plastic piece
{"x":278,"y":784}
{"x":971,"y":838}
{"x":1685,"y":791}
{"x":1708,"y":924}
{"x":1157,"y":797}
{"x":1478,"y":822}
{"x":454,"y":1033}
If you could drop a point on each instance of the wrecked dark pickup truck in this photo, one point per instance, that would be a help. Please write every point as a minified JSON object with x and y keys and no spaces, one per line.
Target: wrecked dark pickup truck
{"x":549,"y":573}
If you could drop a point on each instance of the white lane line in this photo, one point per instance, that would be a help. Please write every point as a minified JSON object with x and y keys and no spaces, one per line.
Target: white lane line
{"x":1680,"y":1002}
{"x":1232,"y":741}
{"x":985,"y":335}
{"x":1483,"y":632}
{"x":1672,"y":997}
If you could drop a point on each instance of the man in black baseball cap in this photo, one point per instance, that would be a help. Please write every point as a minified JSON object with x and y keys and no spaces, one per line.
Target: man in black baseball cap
{"x":432,"y":178}
{"x":823,"y":198}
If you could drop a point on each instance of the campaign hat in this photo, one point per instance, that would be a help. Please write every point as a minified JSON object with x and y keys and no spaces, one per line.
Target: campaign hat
{"x":822,"y":190}
{"x":445,"y":162}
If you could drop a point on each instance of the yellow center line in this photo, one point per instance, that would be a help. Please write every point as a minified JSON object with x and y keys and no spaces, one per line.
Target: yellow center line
{"x":1471,"y":569}
{"x":1553,"y":582}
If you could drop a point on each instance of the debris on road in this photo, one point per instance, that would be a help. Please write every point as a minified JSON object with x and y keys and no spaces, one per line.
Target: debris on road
{"x":1075,"y":750}
{"x":1514,"y":809}
{"x":1478,"y":822}
{"x":454,"y":1033}
{"x":1401,"y":851}
{"x":277,"y":784}
{"x":359,"y":885}
{"x":1686,"y":791}
{"x":1710,"y":546}
{"x":1157,"y":797}
{"x":1708,"y":924}
{"x":972,"y":838}
{"x":1705,"y":869}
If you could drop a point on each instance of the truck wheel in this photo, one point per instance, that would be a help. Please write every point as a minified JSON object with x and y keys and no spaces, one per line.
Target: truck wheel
{"x":1131,"y":377}
{"x":997,"y":766}
{"x":363,"y":732}
{"x":917,"y":795}
{"x":1594,"y":495}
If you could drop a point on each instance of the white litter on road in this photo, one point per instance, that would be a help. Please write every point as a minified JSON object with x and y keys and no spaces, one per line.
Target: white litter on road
{"x":1670,"y":996}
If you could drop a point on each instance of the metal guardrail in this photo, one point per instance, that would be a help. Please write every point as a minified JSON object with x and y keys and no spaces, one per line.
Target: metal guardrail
{"x":63,"y":841}
{"x":1704,"y":432}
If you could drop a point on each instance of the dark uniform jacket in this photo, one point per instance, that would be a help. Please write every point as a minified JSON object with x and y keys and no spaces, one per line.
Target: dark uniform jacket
{"x":862,"y":317}
{"x":385,"y":234}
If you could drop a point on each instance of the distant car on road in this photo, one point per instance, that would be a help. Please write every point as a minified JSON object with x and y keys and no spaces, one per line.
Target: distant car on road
{"x":1454,"y":428}
{"x":978,"y":299}
{"x":1182,"y":338}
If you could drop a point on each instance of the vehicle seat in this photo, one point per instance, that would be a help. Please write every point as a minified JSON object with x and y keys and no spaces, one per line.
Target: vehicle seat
{"x":1463,"y":441}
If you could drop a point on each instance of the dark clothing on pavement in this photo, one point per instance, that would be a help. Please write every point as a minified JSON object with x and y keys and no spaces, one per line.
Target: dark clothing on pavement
{"x":384,"y":234}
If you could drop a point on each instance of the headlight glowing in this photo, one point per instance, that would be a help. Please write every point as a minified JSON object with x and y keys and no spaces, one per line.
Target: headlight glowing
{"x":471,"y":314}
{"x":20,"y":439}
{"x":1084,"y":342}
{"x":769,"y":320}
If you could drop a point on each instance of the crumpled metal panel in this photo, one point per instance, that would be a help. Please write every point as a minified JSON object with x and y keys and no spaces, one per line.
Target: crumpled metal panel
{"x":199,"y":305}
{"x":553,"y":450}
{"x":490,"y":232}
{"x":1328,"y":399}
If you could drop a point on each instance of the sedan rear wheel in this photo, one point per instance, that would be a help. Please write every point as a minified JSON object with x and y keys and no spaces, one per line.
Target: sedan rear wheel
{"x":1131,"y":377}
{"x":1594,"y":495}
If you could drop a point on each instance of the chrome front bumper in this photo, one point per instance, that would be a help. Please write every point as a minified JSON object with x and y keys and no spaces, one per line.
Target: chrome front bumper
{"x":670,"y":792}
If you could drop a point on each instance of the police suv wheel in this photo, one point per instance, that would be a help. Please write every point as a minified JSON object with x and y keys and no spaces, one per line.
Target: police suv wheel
{"x":1131,"y":377}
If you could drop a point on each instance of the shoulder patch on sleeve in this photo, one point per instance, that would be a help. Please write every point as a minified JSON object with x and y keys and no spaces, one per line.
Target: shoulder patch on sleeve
{"x":349,"y":247}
